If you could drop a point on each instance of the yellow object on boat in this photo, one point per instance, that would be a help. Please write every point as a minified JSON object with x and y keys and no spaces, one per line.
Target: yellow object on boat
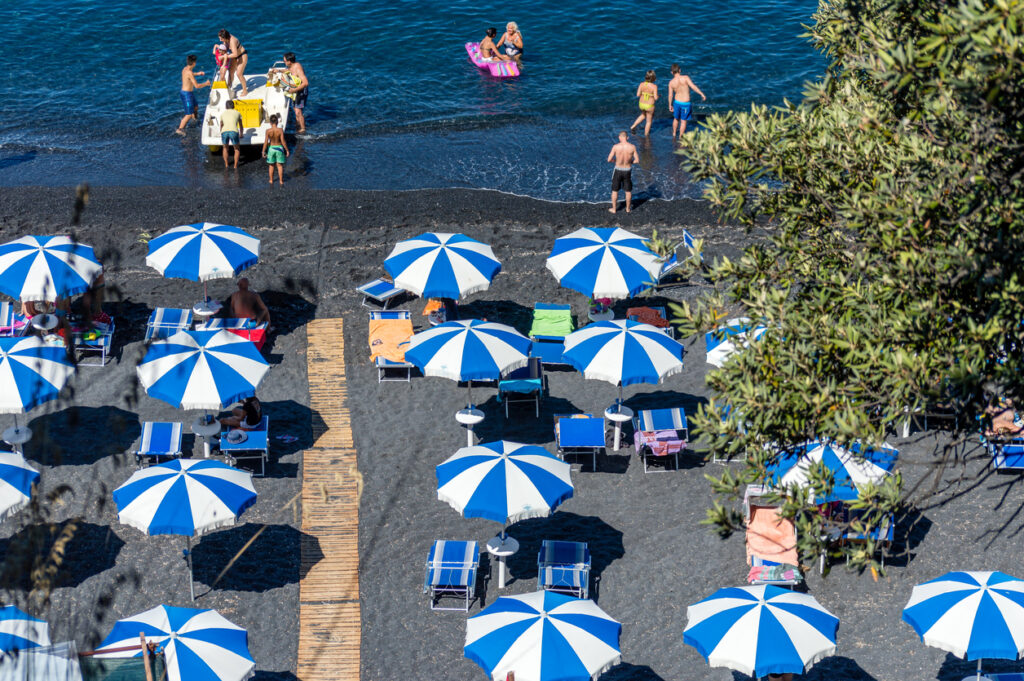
{"x":219,"y":85}
{"x":251,"y":110}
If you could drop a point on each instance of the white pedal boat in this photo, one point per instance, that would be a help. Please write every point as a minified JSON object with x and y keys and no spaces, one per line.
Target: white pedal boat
{"x":268,"y":95}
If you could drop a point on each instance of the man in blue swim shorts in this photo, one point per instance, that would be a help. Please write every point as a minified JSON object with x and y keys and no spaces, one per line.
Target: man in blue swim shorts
{"x":188,"y":94}
{"x":230,"y":130}
{"x":679,"y":101}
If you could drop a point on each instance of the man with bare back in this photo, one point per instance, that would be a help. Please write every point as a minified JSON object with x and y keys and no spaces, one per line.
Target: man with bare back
{"x":679,"y":100}
{"x":245,"y":304}
{"x":623,"y":155}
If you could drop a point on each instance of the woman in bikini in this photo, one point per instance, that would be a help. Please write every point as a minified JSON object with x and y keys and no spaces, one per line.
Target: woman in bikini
{"x":512,"y":39}
{"x":237,"y":60}
{"x":647,"y":93}
{"x":247,"y":416}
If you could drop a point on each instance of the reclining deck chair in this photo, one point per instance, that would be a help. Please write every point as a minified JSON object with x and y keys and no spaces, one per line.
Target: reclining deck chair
{"x":245,"y":328}
{"x":389,"y":334}
{"x":380,"y":291}
{"x":256,"y":445}
{"x":551,"y":324}
{"x":525,"y":384}
{"x":564,"y":566}
{"x":1007,"y":455}
{"x":659,"y":433}
{"x":164,"y":322}
{"x":770,"y":542}
{"x":882,"y":535}
{"x":97,"y":340}
{"x":451,"y":571}
{"x":159,"y":441}
{"x":11,"y":323}
{"x":579,"y":434}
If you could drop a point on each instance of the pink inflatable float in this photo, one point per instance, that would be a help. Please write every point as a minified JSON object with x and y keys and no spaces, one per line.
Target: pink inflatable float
{"x":496,"y":67}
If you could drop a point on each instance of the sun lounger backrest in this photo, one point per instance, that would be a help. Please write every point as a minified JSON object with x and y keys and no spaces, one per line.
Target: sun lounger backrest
{"x":552,"y":321}
{"x":662,"y":419}
{"x":770,"y":536}
{"x":389,"y":334}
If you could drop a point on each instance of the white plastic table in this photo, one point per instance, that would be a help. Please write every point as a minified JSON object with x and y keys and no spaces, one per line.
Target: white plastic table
{"x":205,"y":309}
{"x":502,"y":549}
{"x":44,"y":322}
{"x":16,"y":436}
{"x":206,"y":431}
{"x":469,"y":417}
{"x":618,"y":414}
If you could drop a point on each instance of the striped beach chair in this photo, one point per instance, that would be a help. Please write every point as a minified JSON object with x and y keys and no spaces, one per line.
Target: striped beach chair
{"x":11,"y":323}
{"x":167,"y":321}
{"x":451,"y":571}
{"x":660,"y":433}
{"x":160,"y":441}
{"x":564,"y":566}
{"x":380,"y":291}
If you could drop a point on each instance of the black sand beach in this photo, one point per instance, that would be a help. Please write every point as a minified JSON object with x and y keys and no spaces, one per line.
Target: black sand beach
{"x":651,"y":556}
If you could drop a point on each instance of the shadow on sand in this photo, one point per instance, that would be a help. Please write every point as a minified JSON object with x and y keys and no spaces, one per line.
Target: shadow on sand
{"x":82,"y":435}
{"x":270,"y":562}
{"x":76,"y":552}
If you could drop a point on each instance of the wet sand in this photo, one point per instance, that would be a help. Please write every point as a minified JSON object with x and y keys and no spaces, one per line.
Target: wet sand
{"x":651,"y":555}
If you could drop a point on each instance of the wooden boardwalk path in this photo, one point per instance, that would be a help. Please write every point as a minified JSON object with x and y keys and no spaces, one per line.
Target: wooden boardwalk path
{"x":329,"y":616}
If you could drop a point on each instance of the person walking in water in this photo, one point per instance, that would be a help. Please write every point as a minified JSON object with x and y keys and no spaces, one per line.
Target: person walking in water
{"x":300,"y":90}
{"x":647,"y":93}
{"x":188,"y":92}
{"x":623,"y":155}
{"x":275,"y":150}
{"x":679,"y":100}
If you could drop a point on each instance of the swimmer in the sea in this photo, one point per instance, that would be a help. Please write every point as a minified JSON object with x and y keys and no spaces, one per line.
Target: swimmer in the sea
{"x":647,"y":93}
{"x":512,"y":39}
{"x":488,"y":50}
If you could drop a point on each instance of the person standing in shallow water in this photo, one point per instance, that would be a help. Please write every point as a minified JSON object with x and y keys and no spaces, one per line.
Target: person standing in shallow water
{"x":623,"y":155}
{"x":300,"y":90}
{"x":647,"y":93}
{"x":275,"y":150}
{"x":679,"y":100}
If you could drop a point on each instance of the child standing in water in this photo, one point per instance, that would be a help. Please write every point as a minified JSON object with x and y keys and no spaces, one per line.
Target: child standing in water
{"x":647,"y":93}
{"x":275,"y":150}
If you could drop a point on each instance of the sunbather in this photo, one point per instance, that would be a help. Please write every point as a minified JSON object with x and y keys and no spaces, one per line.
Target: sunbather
{"x":247,"y":416}
{"x":246,"y":304}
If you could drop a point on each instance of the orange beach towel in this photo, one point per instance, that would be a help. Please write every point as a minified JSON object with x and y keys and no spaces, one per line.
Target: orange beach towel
{"x":388,"y":338}
{"x":770,"y":537}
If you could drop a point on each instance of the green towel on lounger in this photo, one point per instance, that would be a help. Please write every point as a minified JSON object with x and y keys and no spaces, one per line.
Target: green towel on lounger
{"x":552,"y":323}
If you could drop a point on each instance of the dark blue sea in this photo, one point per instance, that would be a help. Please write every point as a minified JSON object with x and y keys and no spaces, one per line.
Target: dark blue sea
{"x":91,"y":89}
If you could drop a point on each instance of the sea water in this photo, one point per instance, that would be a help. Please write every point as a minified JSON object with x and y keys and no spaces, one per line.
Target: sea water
{"x":91,"y":92}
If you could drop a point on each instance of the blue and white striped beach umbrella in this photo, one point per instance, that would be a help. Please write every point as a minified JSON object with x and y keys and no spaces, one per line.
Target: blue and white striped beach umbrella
{"x":441,"y":265}
{"x":970,"y":614}
{"x":468,"y":350}
{"x":504,"y":481}
{"x":604,"y":262}
{"x":31,"y":372}
{"x":21,"y":631}
{"x":761,"y":630}
{"x":543,"y":636}
{"x":202,"y":369}
{"x":203,"y":251}
{"x":623,"y":352}
{"x":185,"y":497}
{"x":35,"y":268}
{"x":732,"y":336}
{"x":16,"y":480}
{"x":196,"y":644}
{"x":850,"y":468}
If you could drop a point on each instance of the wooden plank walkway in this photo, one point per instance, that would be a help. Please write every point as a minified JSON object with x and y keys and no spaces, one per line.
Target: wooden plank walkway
{"x":329,"y":615}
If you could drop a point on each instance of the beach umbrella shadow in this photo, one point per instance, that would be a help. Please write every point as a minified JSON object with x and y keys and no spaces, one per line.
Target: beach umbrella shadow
{"x":76,"y":551}
{"x":603,"y":540}
{"x":82,"y":435}
{"x":288,"y":309}
{"x":505,"y":312}
{"x":130,"y":319}
{"x":291,"y":431}
{"x":911,"y":528}
{"x":521,"y":425}
{"x":625,"y":671}
{"x":832,"y":667}
{"x":270,"y":562}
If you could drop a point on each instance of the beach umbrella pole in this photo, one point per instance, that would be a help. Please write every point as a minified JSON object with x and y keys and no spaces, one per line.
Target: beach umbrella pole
{"x":979,"y":670}
{"x":188,"y":559}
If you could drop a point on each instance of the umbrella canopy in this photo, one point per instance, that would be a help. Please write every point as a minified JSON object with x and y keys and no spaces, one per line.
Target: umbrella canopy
{"x":16,"y":480}
{"x":623,"y":352}
{"x":31,"y":372}
{"x":761,"y":630}
{"x":970,"y":614}
{"x":468,"y":350}
{"x":604,"y":262}
{"x":197,"y":644}
{"x":185,"y":497}
{"x":46,"y":268}
{"x":441,"y":265}
{"x":730,"y":337}
{"x":543,"y":636}
{"x":202,"y":369}
{"x":21,"y":631}
{"x":503,"y":481}
{"x":203,"y":251}
{"x":850,"y":468}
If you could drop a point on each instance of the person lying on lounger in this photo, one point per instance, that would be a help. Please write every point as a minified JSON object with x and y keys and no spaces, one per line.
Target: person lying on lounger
{"x":247,"y":416}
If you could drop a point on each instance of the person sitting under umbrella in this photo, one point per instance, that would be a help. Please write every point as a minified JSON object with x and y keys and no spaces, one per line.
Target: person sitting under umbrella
{"x":59,"y":310}
{"x":246,"y":304}
{"x":247,"y":416}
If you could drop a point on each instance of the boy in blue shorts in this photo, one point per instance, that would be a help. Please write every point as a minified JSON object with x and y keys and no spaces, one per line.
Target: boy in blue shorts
{"x":679,"y":100}
{"x":188,"y":92}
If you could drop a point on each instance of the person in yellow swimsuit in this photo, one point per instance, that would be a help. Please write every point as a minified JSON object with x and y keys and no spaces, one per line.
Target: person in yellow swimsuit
{"x":647,"y":93}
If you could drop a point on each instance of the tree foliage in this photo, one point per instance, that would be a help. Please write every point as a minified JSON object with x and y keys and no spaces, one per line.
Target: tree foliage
{"x":891,"y":278}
